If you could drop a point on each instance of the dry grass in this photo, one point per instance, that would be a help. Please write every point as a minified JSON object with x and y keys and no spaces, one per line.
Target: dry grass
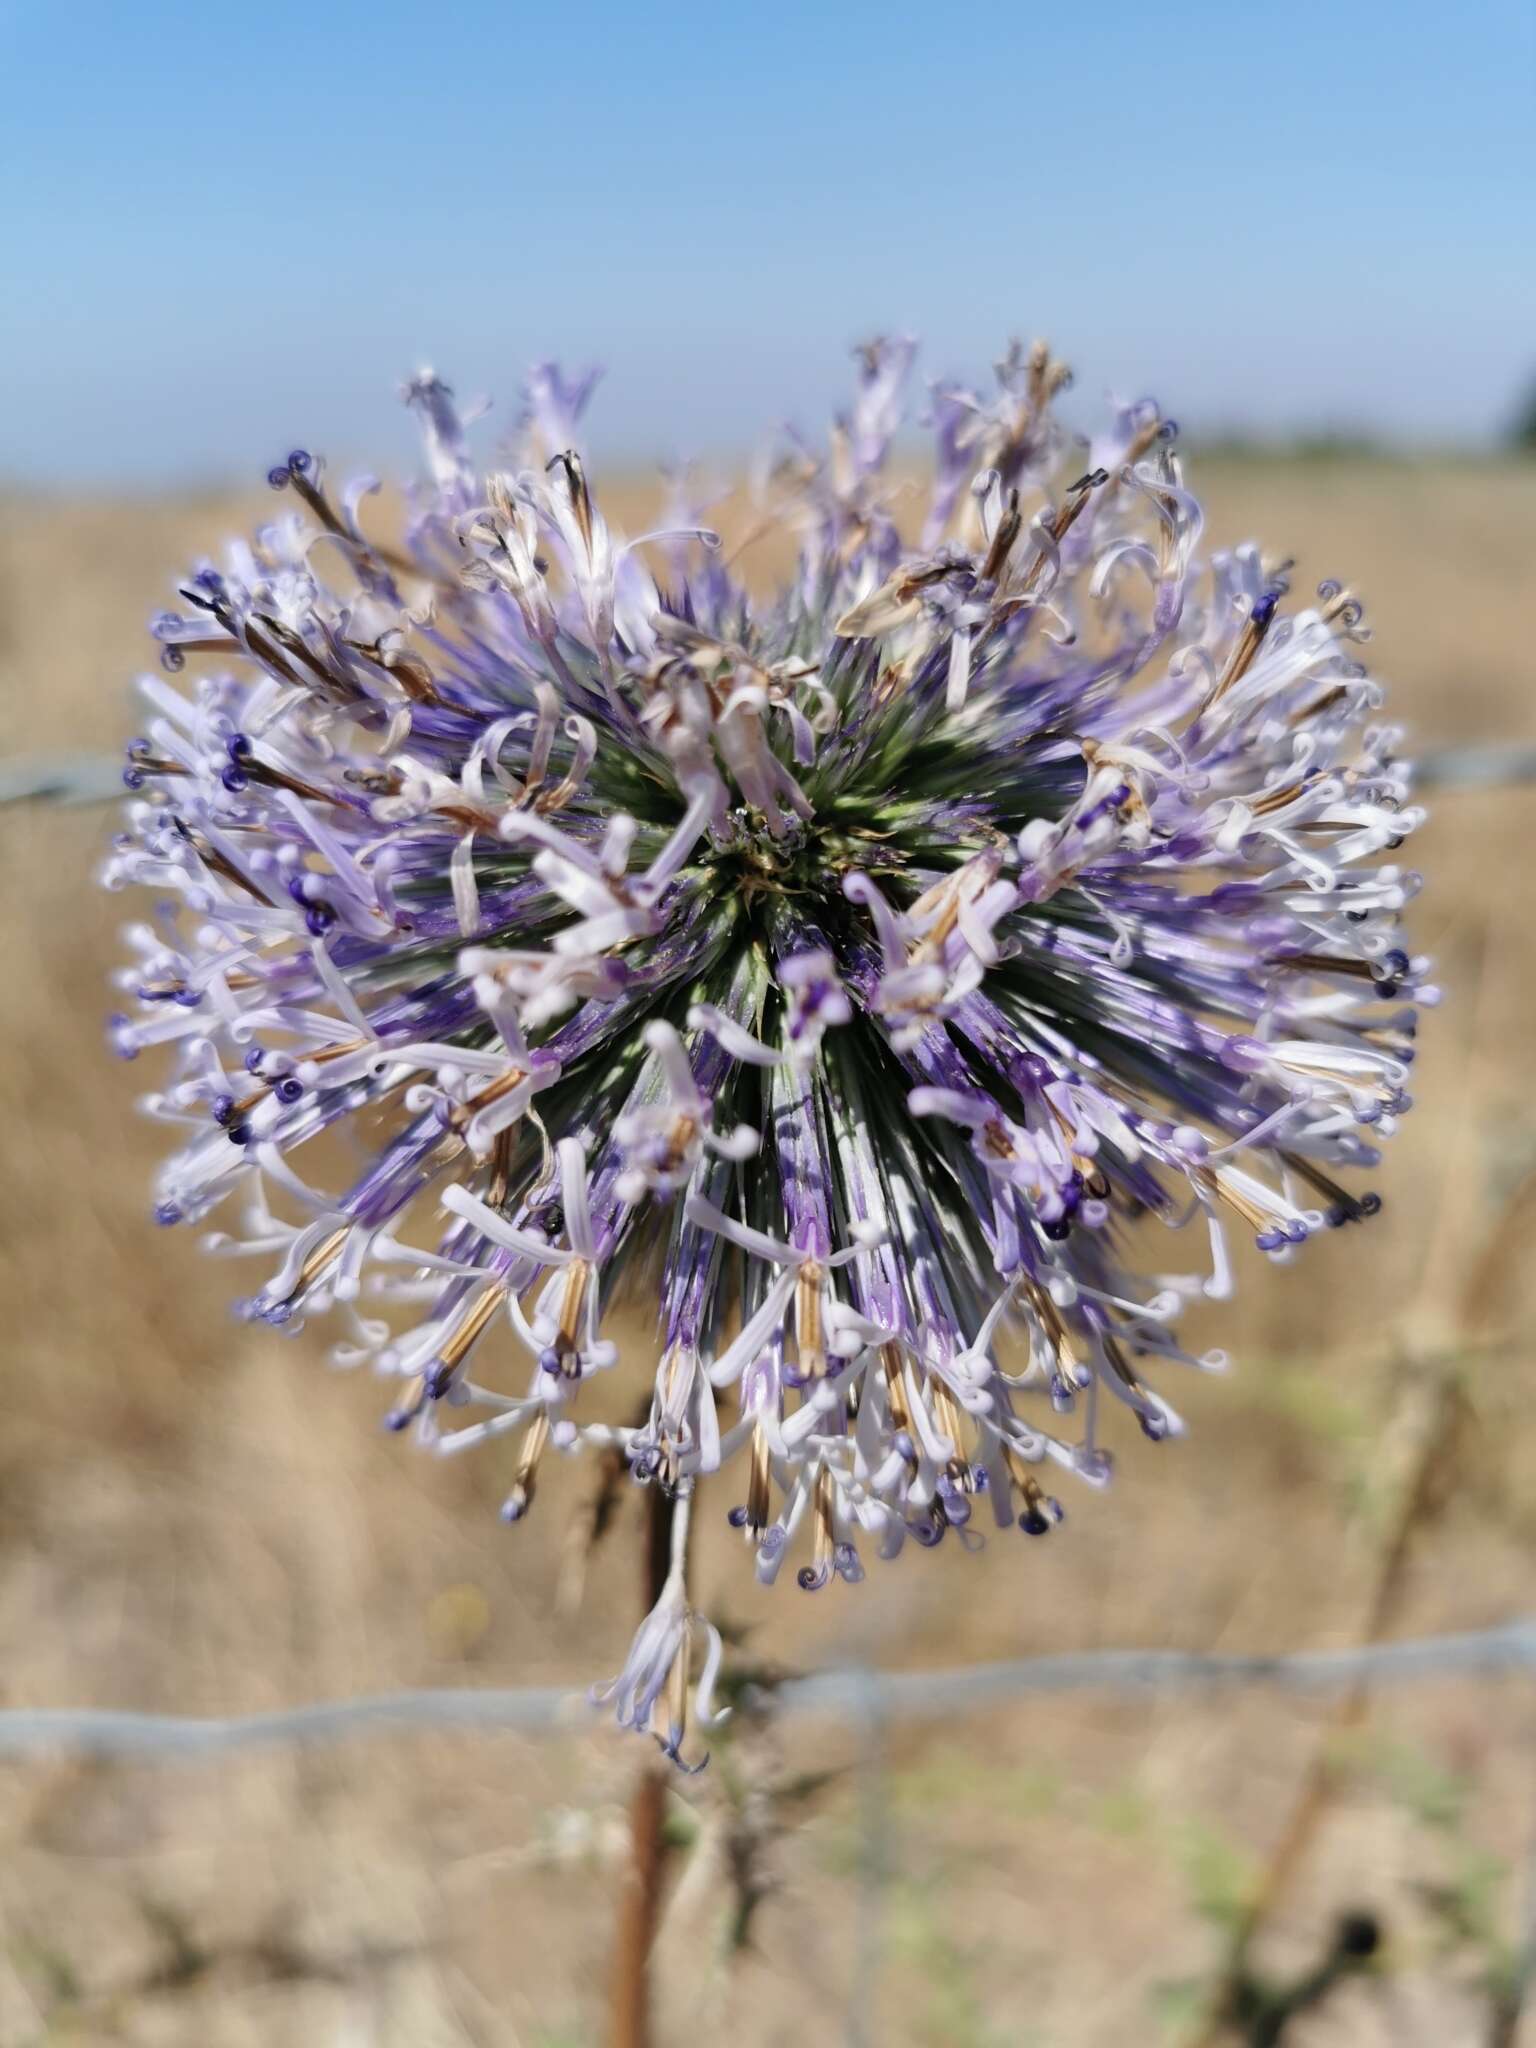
{"x":193,"y":1515}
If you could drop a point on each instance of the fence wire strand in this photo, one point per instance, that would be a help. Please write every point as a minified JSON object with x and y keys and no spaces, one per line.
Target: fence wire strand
{"x":107,"y":1734}
{"x":70,"y":779}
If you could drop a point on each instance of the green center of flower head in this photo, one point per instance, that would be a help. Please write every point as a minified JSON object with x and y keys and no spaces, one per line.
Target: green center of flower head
{"x":751,"y":861}
{"x":850,"y":966}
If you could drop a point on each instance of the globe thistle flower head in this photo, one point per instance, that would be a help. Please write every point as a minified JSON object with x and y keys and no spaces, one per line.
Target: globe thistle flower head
{"x":868,"y":974}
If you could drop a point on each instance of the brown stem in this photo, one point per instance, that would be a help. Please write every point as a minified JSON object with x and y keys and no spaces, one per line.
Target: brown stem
{"x":639,"y":1915}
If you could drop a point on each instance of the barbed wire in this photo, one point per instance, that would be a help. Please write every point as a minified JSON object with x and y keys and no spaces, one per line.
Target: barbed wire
{"x":73,"y":779}
{"x":106,"y":1734}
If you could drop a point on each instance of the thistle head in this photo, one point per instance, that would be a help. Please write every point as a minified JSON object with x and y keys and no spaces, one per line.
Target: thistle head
{"x":855,"y":964}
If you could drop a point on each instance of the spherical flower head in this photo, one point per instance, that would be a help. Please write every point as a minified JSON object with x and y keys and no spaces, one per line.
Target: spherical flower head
{"x":863,"y":961}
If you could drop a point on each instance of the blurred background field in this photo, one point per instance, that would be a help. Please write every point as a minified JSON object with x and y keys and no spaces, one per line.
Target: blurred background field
{"x":224,"y":231}
{"x":199,"y":1517}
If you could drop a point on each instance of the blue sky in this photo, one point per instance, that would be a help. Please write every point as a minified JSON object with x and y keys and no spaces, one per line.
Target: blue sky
{"x":226,"y":230}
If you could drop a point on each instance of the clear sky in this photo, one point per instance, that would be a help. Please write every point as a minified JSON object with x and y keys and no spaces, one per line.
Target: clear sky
{"x":227,"y":229}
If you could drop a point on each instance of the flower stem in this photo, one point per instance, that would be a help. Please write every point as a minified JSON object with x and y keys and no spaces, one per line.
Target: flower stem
{"x":639,"y":1914}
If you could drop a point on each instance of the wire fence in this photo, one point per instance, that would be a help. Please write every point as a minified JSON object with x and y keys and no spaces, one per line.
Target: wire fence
{"x":869,"y":1700}
{"x":855,"y":1693}
{"x":70,"y":779}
